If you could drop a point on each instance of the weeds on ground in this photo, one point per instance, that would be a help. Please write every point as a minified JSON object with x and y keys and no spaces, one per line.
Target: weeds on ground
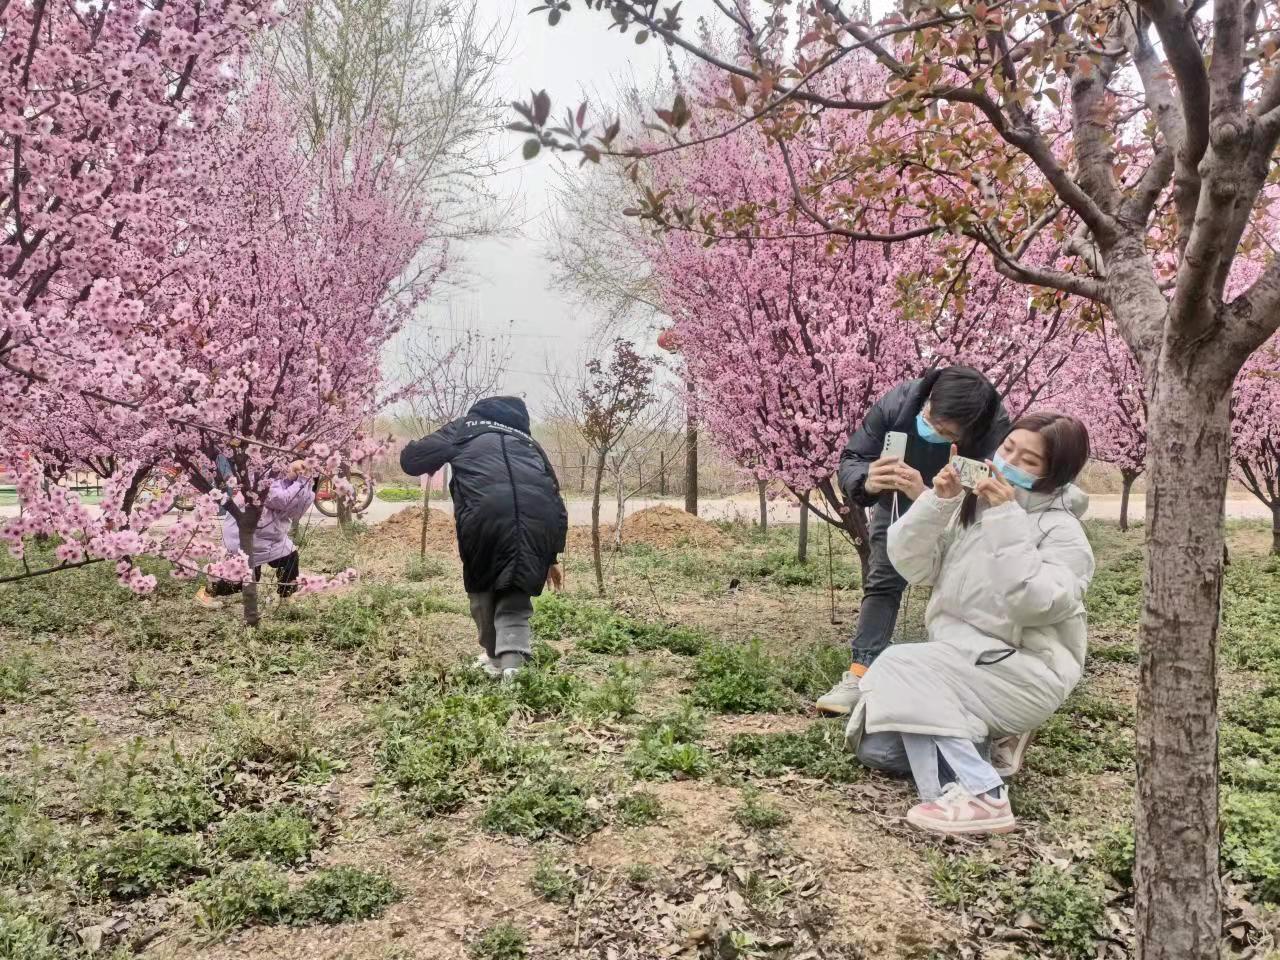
{"x":280,"y":835}
{"x":554,"y":883}
{"x":501,"y":942}
{"x":639,"y":809}
{"x":661,"y":755}
{"x":757,"y":813}
{"x":340,"y":895}
{"x":617,"y":697}
{"x":597,"y":630}
{"x":139,"y":862}
{"x":739,"y":679}
{"x":18,"y":674}
{"x":1251,"y":841}
{"x":543,"y":805}
{"x":26,"y":934}
{"x":818,"y":752}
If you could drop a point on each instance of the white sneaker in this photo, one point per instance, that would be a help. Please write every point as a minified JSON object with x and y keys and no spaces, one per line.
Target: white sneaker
{"x":843,"y":697}
{"x":509,"y":675}
{"x":1007,"y":754}
{"x":959,"y":812}
{"x":488,"y":664}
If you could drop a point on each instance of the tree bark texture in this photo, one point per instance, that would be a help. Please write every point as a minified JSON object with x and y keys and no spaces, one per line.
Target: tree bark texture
{"x":802,"y":549}
{"x":1127,"y":477}
{"x":595,"y":522}
{"x":1176,"y":875}
{"x":1275,"y":528}
{"x":762,"y":488}
{"x":248,"y":523}
{"x":691,"y":467}
{"x":620,"y":513}
{"x":426,"y":516}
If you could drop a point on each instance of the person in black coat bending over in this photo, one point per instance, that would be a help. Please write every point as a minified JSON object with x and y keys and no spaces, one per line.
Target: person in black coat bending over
{"x":953,"y":405}
{"x":510,"y":519}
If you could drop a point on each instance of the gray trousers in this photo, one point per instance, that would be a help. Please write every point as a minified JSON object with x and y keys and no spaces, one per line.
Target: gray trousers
{"x":503,"y":622}
{"x":931,"y":761}
{"x":881,"y":594}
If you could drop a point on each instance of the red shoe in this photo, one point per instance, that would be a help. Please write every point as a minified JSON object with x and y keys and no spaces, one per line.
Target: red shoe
{"x":958,"y":812}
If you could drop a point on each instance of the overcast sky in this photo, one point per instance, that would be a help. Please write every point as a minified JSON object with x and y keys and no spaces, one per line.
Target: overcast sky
{"x":507,"y":287}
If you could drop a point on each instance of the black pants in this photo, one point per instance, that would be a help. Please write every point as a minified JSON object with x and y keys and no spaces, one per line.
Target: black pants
{"x":881,"y":594}
{"x":286,"y":568}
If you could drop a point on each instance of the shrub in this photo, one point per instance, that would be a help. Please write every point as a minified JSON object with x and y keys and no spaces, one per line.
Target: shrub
{"x":281,"y":835}
{"x":140,"y":862}
{"x":239,"y":895}
{"x":341,"y":894}
{"x":639,"y":809}
{"x":1114,"y":853}
{"x":501,"y":942}
{"x":540,"y":806}
{"x":756,"y":813}
{"x":738,"y":679}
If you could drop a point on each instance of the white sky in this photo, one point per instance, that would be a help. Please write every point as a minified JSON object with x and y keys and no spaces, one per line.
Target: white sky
{"x":508,"y":287}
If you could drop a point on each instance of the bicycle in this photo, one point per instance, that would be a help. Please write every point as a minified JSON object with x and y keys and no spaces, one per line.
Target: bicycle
{"x":327,"y":496}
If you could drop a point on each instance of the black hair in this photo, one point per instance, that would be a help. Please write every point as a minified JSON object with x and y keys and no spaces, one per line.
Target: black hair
{"x":964,"y":397}
{"x":1066,"y":451}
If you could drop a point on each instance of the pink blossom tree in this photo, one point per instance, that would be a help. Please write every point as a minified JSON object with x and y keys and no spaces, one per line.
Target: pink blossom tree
{"x":1255,"y":431}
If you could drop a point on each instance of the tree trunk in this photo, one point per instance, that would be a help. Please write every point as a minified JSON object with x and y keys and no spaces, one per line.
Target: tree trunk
{"x":802,"y":551}
{"x":248,"y":523}
{"x":619,"y":514}
{"x":1176,"y":873}
{"x":582,"y":482}
{"x":662,"y":473}
{"x":426,"y":516}
{"x":762,"y":487}
{"x":1126,"y":478}
{"x":1275,"y":528}
{"x":595,"y":523}
{"x":854,"y":521}
{"x":691,"y":466}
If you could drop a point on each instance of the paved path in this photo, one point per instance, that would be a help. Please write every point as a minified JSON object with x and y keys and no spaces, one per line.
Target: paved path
{"x":745,"y":509}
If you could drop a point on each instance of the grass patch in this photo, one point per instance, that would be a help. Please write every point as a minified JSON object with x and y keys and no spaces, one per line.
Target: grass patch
{"x":738,"y":679}
{"x":139,"y":862}
{"x":504,"y":941}
{"x":661,"y":755}
{"x":18,"y":674}
{"x":399,"y":494}
{"x":640,"y":809}
{"x":1069,"y":910}
{"x":26,"y":934}
{"x":818,"y":752}
{"x":286,"y":744}
{"x":554,"y":883}
{"x":541,"y":806}
{"x":419,"y":569}
{"x":1251,"y":841}
{"x":597,"y":630}
{"x":959,"y":882}
{"x":245,"y":893}
{"x":1089,"y":735}
{"x":340,"y":895}
{"x":280,"y":835}
{"x":757,"y":813}
{"x":617,"y":697}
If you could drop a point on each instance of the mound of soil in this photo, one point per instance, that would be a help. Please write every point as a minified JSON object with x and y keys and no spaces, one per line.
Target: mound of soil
{"x":405,"y":529}
{"x":659,"y":526}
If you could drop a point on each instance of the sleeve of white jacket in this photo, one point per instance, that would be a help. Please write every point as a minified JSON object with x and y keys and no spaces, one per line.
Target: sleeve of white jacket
{"x":1043,"y":576}
{"x":917,"y":542}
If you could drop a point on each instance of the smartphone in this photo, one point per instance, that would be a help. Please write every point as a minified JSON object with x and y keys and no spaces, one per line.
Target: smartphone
{"x":895,"y":445}
{"x":971,"y":472}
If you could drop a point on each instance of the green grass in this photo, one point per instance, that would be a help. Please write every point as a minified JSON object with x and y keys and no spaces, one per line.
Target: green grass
{"x":817,"y":751}
{"x":400,"y":494}
{"x":140,"y":862}
{"x":259,"y":892}
{"x":501,"y":942}
{"x":639,"y":809}
{"x":739,"y":679}
{"x":543,"y":805}
{"x":280,"y":835}
{"x":340,"y":895}
{"x":554,"y":883}
{"x":757,"y":813}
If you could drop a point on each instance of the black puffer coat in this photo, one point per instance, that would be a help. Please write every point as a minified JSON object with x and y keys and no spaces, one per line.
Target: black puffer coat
{"x":506,"y":499}
{"x":896,"y":412}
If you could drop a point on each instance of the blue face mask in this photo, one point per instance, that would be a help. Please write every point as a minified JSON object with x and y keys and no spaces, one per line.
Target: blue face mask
{"x":926,"y":431}
{"x":1015,"y":475}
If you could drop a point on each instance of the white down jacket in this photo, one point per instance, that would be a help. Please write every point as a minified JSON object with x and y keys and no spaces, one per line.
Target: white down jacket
{"x":1006,"y":621}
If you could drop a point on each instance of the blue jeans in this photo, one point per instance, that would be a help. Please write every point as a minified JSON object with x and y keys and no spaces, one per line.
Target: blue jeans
{"x":931,"y":761}
{"x":881,"y":594}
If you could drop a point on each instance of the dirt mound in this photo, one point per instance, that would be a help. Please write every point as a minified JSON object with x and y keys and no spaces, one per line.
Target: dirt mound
{"x":659,"y":526}
{"x":405,"y":529}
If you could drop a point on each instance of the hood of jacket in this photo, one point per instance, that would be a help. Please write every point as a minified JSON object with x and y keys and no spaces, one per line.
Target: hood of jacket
{"x":508,"y":411}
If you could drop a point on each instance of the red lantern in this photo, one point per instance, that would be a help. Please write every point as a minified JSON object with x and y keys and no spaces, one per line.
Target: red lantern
{"x":668,"y":340}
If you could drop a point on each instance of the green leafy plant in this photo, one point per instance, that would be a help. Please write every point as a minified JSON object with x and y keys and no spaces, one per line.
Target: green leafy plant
{"x":26,"y":934}
{"x":542,"y":805}
{"x":553,"y":882}
{"x":1114,"y":853}
{"x":617,"y":697}
{"x":341,"y":894}
{"x":17,"y":677}
{"x":1251,"y":841}
{"x":241,"y":894}
{"x":738,"y":679}
{"x":1069,"y":910}
{"x":281,"y":835}
{"x":661,"y":756}
{"x":139,"y":862}
{"x":639,"y":809}
{"x":959,"y":882}
{"x":818,"y":751}
{"x":503,"y":941}
{"x":757,"y":813}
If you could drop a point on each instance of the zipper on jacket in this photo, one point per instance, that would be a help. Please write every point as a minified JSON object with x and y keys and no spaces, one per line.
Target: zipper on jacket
{"x":511,"y":477}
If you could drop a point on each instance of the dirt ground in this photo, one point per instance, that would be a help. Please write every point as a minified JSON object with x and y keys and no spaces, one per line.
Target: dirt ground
{"x":659,"y":786}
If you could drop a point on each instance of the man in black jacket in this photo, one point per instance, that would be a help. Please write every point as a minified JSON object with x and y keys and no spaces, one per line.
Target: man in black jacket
{"x":510,"y":519}
{"x":954,"y":405}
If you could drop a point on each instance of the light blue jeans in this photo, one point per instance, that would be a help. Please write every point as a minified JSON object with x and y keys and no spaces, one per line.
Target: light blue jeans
{"x":931,"y":761}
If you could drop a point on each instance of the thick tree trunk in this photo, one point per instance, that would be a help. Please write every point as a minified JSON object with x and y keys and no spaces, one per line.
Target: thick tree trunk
{"x":1176,"y":875}
{"x":854,"y":521}
{"x":802,"y":550}
{"x":1126,"y":478}
{"x":691,"y":466}
{"x":1275,"y":528}
{"x":762,"y":488}
{"x":595,"y":524}
{"x":248,"y":523}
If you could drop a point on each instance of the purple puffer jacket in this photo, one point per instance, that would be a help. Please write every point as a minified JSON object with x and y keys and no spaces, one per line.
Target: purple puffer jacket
{"x":287,"y":500}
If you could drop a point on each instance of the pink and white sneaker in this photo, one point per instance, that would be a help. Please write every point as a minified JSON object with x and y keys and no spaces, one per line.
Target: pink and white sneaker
{"x":959,"y":813}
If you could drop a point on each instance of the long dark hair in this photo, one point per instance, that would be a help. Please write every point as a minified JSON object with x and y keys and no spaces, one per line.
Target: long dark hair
{"x":1066,"y":451}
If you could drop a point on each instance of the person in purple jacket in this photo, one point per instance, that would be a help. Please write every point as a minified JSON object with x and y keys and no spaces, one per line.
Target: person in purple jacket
{"x":287,"y":500}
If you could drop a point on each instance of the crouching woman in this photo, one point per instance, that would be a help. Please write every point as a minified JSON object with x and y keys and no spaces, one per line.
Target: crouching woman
{"x":1009,"y":564}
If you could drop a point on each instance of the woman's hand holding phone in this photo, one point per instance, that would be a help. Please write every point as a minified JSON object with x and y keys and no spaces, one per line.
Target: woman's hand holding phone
{"x":946,"y":485}
{"x":995,"y":489}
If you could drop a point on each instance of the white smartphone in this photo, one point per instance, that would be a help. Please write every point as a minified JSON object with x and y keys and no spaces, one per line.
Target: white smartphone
{"x":895,"y":445}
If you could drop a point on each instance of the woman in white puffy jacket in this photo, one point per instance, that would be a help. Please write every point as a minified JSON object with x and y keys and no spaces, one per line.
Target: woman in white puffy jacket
{"x":1009,"y":564}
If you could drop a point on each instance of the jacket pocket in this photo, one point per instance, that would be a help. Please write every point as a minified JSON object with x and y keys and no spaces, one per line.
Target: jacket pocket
{"x":989,"y":658}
